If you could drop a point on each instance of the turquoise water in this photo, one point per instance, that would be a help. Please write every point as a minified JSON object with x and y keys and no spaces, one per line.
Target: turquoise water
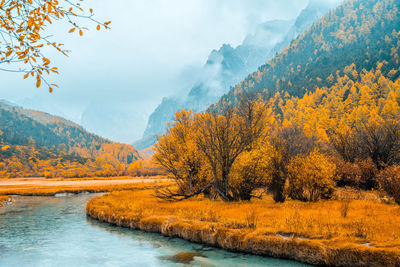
{"x":54,"y":231}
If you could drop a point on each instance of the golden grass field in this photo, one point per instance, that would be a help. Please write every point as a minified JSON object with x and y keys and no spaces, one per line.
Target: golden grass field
{"x":364,"y":226}
{"x":100,"y":178}
{"x":50,"y":187}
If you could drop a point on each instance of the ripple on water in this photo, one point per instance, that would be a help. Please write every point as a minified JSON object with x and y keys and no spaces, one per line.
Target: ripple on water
{"x":49,"y":231}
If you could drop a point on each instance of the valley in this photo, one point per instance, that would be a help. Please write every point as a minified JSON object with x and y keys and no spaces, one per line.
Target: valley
{"x":283,"y":151}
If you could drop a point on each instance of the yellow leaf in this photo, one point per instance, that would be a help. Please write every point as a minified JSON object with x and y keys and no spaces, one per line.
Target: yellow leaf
{"x":72,"y":30}
{"x":80,"y":32}
{"x":39,"y":81}
{"x":26,"y":75}
{"x":98,"y":27}
{"x":46,"y":61}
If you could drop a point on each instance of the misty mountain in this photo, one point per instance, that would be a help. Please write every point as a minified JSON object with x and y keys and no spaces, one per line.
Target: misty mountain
{"x":228,"y":66}
{"x":315,"y":10}
{"x":357,"y":37}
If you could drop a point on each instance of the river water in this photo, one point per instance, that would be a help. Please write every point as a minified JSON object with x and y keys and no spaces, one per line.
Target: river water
{"x":54,"y":231}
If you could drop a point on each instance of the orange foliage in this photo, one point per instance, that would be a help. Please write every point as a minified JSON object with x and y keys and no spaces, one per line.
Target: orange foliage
{"x":112,"y":161}
{"x":23,"y":23}
{"x":354,"y":123}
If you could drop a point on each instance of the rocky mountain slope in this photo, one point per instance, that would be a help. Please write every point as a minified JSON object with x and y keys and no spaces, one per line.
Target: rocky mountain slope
{"x":228,"y":66}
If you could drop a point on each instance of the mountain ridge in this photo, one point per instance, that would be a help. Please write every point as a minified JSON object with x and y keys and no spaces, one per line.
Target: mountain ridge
{"x":19,"y":126}
{"x":199,"y":97}
{"x":347,"y":39}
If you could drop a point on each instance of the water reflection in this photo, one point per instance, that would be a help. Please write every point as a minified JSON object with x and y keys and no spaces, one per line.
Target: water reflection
{"x":49,"y":231}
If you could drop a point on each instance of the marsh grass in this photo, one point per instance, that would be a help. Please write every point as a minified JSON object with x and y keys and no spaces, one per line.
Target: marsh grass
{"x":251,"y":219}
{"x":329,"y":221}
{"x":99,"y":178}
{"x":344,"y":207}
{"x":48,"y":190}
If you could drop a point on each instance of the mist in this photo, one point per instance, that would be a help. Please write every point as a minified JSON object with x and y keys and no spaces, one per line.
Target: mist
{"x":113,"y":80}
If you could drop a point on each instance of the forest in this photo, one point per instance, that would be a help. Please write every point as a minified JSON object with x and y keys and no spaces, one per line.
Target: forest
{"x":299,"y":148}
{"x":362,"y":33}
{"x":322,"y":114}
{"x":37,"y":144}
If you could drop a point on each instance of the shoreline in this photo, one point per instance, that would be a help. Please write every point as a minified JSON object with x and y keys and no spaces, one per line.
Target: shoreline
{"x":298,"y":249}
{"x":301,"y":249}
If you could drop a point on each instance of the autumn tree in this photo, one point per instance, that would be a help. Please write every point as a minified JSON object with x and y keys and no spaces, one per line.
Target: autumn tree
{"x":177,"y":153}
{"x":23,"y":25}
{"x":311,"y":177}
{"x":380,"y":141}
{"x":389,"y":180}
{"x":224,"y":134}
{"x":288,"y":141}
{"x":252,"y":170}
{"x":346,"y":144}
{"x":377,"y":140}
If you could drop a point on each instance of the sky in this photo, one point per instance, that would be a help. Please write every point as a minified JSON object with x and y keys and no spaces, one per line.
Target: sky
{"x":112,"y":80}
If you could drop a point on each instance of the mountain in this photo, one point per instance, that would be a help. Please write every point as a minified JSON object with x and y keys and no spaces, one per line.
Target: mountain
{"x":228,"y":66}
{"x":356,"y":37}
{"x":315,"y":10}
{"x":63,"y":138}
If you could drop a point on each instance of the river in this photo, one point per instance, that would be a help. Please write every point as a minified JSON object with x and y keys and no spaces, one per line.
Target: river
{"x":54,"y":231}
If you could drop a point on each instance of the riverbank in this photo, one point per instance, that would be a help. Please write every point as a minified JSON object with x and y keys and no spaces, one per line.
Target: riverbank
{"x":32,"y":229}
{"x":334,"y":233}
{"x":51,"y":187}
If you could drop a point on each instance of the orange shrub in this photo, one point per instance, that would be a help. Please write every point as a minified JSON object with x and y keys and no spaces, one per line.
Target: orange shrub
{"x":311,"y":177}
{"x":389,"y":180}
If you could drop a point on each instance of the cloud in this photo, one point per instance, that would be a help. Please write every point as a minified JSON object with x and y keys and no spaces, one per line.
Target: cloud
{"x":145,"y":56}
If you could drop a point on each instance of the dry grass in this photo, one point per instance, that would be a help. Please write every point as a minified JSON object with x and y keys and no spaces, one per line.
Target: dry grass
{"x":50,"y":189}
{"x":158,"y":177}
{"x":359,"y":226}
{"x":365,"y":221}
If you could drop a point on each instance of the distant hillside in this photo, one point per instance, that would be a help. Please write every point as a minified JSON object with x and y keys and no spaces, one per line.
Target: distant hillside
{"x":26,"y":127}
{"x":352,"y":39}
{"x":228,"y":66}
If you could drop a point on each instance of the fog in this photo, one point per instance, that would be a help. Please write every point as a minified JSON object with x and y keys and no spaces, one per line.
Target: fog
{"x":113,"y":80}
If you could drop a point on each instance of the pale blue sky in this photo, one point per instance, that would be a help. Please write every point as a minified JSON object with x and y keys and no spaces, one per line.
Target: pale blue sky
{"x":152,"y":51}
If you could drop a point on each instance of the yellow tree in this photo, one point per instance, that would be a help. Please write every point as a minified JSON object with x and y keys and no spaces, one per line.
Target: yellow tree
{"x":288,"y":141}
{"x":225,"y":134}
{"x":23,"y":24}
{"x":311,"y":177}
{"x":252,"y":170}
{"x":177,"y":153}
{"x":391,"y":108}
